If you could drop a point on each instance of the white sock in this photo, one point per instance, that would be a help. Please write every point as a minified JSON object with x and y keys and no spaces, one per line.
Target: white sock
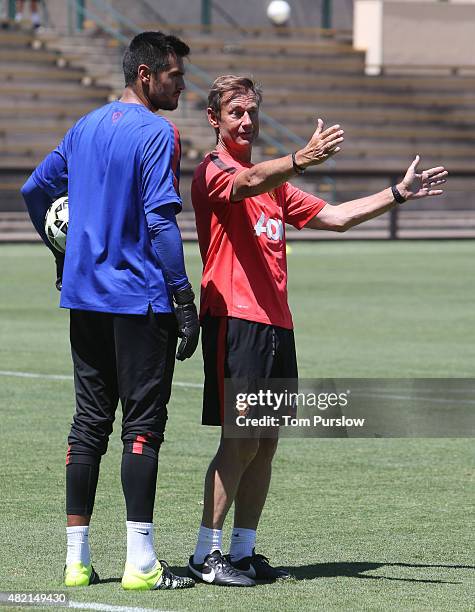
{"x":140,"y":551}
{"x":208,"y":540}
{"x":78,"y":545}
{"x":242,"y":543}
{"x":18,"y":17}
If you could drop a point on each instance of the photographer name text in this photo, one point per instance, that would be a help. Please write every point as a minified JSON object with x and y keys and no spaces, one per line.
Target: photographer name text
{"x":289,"y":421}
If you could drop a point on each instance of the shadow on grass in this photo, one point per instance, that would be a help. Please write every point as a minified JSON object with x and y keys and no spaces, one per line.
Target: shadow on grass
{"x":350,"y":569}
{"x":357,"y":569}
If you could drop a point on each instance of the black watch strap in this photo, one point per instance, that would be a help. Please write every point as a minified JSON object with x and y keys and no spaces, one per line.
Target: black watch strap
{"x":397,"y":195}
{"x":298,"y":169}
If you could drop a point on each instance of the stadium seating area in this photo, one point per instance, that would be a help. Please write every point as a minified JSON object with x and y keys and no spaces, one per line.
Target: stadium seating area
{"x":49,"y":80}
{"x":40,"y":97}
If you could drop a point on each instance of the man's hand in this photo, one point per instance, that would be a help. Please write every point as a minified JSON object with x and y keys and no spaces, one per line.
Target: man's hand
{"x":188,"y":323}
{"x":59,"y":259}
{"x":323,"y":145}
{"x":416,"y":185}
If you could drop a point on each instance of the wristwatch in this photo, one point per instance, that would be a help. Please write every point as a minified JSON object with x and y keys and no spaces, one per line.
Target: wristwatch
{"x":400,"y":199}
{"x":298,"y":169}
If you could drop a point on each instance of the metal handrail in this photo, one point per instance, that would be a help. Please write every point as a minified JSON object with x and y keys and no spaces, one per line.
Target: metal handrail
{"x":86,"y":12}
{"x":160,"y":18}
{"x":228,"y":18}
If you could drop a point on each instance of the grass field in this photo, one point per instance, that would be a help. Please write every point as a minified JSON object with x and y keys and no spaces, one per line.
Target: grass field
{"x":380,"y":524}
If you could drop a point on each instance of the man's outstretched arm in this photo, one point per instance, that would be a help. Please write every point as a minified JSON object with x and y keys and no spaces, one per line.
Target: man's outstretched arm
{"x":265,"y":176}
{"x":414,"y":186}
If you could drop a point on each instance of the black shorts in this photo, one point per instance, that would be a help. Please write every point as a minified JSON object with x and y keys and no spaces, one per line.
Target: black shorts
{"x":240,"y":349}
{"x":120,"y":357}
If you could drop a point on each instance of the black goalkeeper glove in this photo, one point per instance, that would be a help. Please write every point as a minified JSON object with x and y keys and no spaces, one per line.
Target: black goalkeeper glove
{"x":59,"y":271}
{"x":188,"y":323}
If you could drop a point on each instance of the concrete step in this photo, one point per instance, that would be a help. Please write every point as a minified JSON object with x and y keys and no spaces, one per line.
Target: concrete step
{"x":376,"y":150}
{"x":48,"y":75}
{"x":465,"y":99}
{"x":15,"y":38}
{"x":356,"y":82}
{"x":45,"y":109}
{"x":45,"y":90}
{"x":31,"y":56}
{"x":31,"y":125}
{"x":305,"y":33}
{"x":37,"y":139}
{"x":384,"y":132}
{"x":92,"y":38}
{"x":364,"y":116}
{"x":224,"y":63}
{"x":35,"y":151}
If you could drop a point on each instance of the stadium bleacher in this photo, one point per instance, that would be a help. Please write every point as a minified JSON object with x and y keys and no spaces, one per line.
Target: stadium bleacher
{"x":49,"y":79}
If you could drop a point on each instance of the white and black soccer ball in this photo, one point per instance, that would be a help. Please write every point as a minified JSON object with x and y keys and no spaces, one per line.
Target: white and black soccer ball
{"x":56,"y":223}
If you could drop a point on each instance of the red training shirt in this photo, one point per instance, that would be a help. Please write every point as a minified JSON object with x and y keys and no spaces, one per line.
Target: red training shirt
{"x":242,"y":243}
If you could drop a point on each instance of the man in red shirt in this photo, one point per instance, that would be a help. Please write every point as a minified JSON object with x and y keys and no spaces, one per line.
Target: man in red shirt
{"x":241,"y":211}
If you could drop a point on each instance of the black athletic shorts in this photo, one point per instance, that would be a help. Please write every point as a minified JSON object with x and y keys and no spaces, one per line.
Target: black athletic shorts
{"x":120,"y":357}
{"x":240,"y":349}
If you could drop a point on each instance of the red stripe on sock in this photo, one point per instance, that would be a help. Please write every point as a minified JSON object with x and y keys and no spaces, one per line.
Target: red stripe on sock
{"x":137,"y":446}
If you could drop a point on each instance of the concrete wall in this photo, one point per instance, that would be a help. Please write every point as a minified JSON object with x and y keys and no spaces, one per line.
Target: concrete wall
{"x":436,"y":34}
{"x":417,"y":33}
{"x":368,"y":33}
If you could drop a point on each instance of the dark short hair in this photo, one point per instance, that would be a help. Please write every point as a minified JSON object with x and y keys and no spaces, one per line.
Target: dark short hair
{"x":230,"y":83}
{"x":152,"y":49}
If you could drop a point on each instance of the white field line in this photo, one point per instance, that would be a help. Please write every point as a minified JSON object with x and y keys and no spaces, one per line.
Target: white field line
{"x":189,"y":385}
{"x":82,"y":605}
{"x":68,"y":377}
{"x":33,"y":375}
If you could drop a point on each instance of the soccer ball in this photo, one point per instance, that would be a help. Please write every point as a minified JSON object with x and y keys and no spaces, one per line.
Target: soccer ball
{"x":278,"y":12}
{"x":56,"y":223}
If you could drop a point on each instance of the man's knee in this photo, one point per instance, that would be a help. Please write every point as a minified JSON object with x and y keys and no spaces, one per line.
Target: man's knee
{"x":239,"y":450}
{"x":89,"y":436}
{"x":147,"y":443}
{"x":143,"y":431}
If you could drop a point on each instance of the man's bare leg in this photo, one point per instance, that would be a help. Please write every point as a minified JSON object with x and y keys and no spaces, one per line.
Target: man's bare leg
{"x":249,"y":503}
{"x":76,"y":520}
{"x":221,"y":484}
{"x":254,"y":486}
{"x":223,"y":477}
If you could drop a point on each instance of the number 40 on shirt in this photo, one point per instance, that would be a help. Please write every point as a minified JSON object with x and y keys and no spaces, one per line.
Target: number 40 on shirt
{"x":274,"y":228}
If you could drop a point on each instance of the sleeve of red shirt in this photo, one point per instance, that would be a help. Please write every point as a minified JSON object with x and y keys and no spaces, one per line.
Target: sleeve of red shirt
{"x":300,"y":206}
{"x":219,"y":180}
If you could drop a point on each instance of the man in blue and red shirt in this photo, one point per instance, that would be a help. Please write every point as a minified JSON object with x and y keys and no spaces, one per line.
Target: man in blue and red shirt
{"x":241,"y":210}
{"x":123,"y":278}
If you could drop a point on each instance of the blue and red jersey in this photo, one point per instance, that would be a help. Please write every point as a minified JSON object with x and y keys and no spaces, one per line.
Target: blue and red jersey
{"x":118,"y":163}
